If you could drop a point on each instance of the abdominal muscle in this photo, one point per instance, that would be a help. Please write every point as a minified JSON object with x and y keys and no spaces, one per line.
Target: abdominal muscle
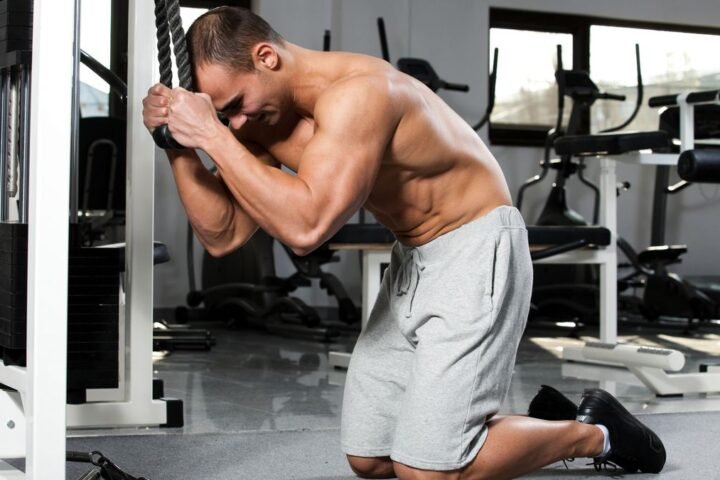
{"x":437,"y":174}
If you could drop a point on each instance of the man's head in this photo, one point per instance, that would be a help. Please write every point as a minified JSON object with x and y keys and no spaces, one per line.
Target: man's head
{"x":234,"y":53}
{"x":227,"y":35}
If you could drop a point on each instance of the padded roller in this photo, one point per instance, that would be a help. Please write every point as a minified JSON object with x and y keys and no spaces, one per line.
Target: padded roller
{"x":700,"y":166}
{"x":635,"y":355}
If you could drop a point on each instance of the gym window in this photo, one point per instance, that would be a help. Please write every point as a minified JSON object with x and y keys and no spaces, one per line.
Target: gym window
{"x":673,"y":58}
{"x":95,"y":40}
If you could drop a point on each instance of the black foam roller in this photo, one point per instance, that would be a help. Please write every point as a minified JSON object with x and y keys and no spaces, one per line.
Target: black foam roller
{"x":701,"y":166}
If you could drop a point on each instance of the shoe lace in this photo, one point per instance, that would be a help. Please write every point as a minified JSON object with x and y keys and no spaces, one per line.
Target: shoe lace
{"x":601,"y":464}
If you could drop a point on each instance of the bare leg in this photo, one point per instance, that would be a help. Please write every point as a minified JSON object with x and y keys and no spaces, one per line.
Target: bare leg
{"x":515,"y":445}
{"x":372,"y":467}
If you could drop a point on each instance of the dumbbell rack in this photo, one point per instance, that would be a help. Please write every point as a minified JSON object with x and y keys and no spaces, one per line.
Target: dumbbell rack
{"x":33,"y":412}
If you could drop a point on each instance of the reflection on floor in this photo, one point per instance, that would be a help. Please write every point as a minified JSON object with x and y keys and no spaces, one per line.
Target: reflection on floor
{"x":255,"y":383}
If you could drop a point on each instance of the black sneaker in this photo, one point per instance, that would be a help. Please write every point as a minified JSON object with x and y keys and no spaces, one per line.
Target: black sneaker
{"x":549,"y":404}
{"x":633,"y":446}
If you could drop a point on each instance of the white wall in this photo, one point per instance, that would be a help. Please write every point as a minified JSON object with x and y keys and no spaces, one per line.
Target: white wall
{"x":453,"y":36}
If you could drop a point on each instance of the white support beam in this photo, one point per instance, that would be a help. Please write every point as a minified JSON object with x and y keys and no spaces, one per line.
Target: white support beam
{"x":608,"y":269}
{"x":116,"y":414}
{"x":140,"y":208}
{"x":49,"y":187}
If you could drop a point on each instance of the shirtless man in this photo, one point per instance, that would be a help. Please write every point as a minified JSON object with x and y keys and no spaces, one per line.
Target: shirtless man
{"x":434,"y":363}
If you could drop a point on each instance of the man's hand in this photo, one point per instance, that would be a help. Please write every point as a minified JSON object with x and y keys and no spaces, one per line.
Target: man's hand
{"x":155,"y":106}
{"x":192,"y":119}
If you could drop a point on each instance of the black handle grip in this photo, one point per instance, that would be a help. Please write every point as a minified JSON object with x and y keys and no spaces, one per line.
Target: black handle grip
{"x":82,"y":457}
{"x":663,"y":101}
{"x":612,"y":96}
{"x":458,"y":87}
{"x":164,"y":139}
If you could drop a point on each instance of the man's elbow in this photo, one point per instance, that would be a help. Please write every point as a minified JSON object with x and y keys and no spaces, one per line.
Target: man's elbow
{"x":304,"y":244}
{"x":218,"y":251}
{"x":225,"y":247}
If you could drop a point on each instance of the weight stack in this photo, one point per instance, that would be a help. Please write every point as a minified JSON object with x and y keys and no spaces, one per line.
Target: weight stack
{"x":93,"y":310}
{"x":93,"y":320}
{"x":15,"y":32}
{"x":13,"y":296}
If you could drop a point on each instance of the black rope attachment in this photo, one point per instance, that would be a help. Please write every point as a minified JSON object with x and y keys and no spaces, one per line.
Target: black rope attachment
{"x":169,"y":24}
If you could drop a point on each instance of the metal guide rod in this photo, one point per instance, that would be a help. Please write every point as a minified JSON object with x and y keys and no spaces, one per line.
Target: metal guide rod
{"x":12,"y":134}
{"x":24,"y":142}
{"x":75,"y":120}
{"x":4,"y":85}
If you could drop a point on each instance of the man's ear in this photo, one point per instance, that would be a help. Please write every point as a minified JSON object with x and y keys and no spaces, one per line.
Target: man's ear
{"x":266,"y":55}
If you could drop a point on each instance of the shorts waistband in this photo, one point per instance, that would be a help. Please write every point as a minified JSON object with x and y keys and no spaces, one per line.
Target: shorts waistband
{"x":500,"y":217}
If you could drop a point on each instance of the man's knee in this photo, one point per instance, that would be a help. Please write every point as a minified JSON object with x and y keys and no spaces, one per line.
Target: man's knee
{"x":371,"y":467}
{"x":405,"y":472}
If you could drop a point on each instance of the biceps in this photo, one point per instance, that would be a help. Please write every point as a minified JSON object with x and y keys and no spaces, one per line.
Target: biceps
{"x":341,"y":174}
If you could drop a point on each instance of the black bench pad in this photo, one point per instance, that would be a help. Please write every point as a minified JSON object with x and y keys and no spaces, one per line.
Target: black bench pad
{"x":611,"y":143}
{"x":538,"y":235}
{"x":362,"y":233}
{"x":552,"y":235}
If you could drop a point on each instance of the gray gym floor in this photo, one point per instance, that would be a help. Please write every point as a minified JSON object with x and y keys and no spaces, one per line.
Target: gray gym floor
{"x":261,"y":406}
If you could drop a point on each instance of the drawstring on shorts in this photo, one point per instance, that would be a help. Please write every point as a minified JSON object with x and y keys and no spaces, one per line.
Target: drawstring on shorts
{"x":408,"y":277}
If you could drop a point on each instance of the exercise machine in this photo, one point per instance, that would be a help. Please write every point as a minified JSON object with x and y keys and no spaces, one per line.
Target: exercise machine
{"x":422,"y":70}
{"x":243,"y":288}
{"x":666,"y":294}
{"x":693,"y":165}
{"x":657,"y":368}
{"x":570,"y":292}
{"x":38,"y":389}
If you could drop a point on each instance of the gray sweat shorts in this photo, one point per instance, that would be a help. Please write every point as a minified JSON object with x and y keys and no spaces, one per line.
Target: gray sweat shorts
{"x":435,"y":360}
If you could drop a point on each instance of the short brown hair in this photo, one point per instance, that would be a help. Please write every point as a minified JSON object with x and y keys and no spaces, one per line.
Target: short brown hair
{"x":226,"y":35}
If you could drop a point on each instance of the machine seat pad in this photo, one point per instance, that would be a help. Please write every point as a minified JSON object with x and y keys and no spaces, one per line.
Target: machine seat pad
{"x":665,"y":254}
{"x":611,"y":143}
{"x":538,"y":235}
{"x":355,"y":233}
{"x":557,"y":235}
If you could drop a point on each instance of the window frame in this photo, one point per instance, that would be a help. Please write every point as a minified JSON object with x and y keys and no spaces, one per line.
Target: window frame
{"x":510,"y":134}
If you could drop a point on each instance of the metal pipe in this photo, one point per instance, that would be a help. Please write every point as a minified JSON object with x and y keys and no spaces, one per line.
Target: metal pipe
{"x":12,"y":133}
{"x":75,"y":120}
{"x":4,"y":85}
{"x":24,"y":143}
{"x":659,"y":205}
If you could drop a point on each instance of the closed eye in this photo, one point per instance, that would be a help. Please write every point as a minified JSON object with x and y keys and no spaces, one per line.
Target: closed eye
{"x":231,"y":107}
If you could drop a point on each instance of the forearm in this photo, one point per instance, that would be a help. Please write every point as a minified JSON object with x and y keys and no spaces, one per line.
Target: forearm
{"x":218,"y":221}
{"x":281,"y":204}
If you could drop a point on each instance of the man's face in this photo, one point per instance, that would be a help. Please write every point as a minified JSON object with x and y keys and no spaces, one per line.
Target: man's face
{"x":240,"y":96}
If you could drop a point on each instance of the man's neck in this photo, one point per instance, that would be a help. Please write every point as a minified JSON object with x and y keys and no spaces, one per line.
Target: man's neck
{"x":309,"y":74}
